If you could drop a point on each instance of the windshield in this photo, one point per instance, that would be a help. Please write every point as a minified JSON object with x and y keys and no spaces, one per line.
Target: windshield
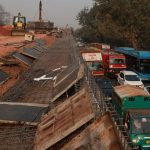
{"x":132,"y":78}
{"x":94,"y":66}
{"x":114,"y":61}
{"x":141,"y":125}
{"x":22,"y":19}
{"x":145,"y":68}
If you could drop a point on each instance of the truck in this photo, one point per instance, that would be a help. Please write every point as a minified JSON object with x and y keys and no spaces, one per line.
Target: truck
{"x":93,"y":59}
{"x":113,"y":62}
{"x":133,"y":106}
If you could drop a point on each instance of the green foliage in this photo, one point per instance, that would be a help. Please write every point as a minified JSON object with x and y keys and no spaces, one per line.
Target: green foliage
{"x":118,"y":22}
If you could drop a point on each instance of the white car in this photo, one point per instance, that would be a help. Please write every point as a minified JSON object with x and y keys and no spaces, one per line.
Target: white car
{"x":129,"y":78}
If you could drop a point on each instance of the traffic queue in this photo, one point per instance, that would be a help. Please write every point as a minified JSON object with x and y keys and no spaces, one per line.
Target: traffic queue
{"x":131,"y":99}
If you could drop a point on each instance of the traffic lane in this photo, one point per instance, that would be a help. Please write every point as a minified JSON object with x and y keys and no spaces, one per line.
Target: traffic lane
{"x":106,"y":84}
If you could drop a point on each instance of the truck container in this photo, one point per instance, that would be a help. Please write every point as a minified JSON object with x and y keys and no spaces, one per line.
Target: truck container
{"x":133,"y":106}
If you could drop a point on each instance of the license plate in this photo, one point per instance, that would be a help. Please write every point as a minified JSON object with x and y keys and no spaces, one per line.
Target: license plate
{"x":148,"y":142}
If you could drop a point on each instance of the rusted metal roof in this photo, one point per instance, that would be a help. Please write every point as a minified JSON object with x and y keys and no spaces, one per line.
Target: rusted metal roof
{"x":100,"y":135}
{"x":129,"y":91}
{"x":21,"y":112}
{"x":63,"y":120}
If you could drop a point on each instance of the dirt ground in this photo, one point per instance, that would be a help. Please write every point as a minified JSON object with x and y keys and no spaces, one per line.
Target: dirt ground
{"x":5,"y":30}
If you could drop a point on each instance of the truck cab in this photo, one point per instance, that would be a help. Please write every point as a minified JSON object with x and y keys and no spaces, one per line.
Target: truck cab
{"x":137,"y":123}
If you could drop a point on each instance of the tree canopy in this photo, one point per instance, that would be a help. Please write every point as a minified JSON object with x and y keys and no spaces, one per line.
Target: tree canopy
{"x":118,"y":22}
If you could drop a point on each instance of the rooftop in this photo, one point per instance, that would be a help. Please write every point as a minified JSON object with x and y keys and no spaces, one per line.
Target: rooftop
{"x":129,"y":91}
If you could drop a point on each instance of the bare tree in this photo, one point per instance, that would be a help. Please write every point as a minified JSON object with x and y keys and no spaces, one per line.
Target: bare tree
{"x":4,"y":16}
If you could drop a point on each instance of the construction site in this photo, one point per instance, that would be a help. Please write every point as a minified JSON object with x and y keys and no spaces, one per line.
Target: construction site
{"x":46,"y":98}
{"x":49,"y":99}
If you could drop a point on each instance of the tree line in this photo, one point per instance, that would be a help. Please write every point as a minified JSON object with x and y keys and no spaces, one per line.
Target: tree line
{"x":117,"y":22}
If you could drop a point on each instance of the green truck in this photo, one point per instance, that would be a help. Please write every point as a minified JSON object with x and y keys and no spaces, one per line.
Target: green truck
{"x":133,"y":105}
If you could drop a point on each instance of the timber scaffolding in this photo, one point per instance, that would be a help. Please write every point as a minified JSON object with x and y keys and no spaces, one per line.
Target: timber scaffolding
{"x":55,"y":102}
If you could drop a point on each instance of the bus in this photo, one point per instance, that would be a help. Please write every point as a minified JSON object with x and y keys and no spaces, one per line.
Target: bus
{"x":133,"y":105}
{"x":137,"y":61}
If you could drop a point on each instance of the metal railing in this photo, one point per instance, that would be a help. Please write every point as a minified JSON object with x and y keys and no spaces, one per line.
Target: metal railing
{"x":103,"y":104}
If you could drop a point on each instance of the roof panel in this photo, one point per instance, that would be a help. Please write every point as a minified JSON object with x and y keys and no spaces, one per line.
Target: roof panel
{"x":31,"y":52}
{"x":129,"y":91}
{"x":3,"y":77}
{"x":18,"y":112}
{"x":23,"y":58}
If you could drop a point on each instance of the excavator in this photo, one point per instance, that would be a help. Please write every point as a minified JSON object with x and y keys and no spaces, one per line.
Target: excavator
{"x":19,"y":25}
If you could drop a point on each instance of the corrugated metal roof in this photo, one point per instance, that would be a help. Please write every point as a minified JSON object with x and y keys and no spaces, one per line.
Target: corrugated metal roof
{"x":31,"y":52}
{"x":129,"y":91}
{"x":22,"y":58}
{"x":135,"y":53}
{"x":16,"y":112}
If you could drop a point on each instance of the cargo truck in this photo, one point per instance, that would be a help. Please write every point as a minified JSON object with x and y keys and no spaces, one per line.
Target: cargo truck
{"x":133,"y":105}
{"x":93,"y":58}
{"x":113,"y":62}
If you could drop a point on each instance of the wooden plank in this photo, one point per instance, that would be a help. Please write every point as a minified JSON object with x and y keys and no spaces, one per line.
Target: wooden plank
{"x":99,"y":135}
{"x":25,"y":104}
{"x":63,"y":120}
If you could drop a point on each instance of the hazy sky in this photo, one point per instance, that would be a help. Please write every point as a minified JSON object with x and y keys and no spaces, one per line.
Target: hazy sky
{"x":61,"y":12}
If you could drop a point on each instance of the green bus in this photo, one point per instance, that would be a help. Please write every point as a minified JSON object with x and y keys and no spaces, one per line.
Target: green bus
{"x":133,"y":105}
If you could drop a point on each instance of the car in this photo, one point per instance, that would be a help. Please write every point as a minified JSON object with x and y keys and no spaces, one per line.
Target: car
{"x":129,"y":78}
{"x":147,"y":89}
